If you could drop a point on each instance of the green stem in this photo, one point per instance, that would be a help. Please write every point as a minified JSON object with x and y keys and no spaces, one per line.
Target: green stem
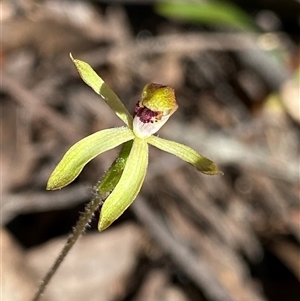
{"x":113,"y":174}
{"x":103,"y":188}
{"x":79,"y":229}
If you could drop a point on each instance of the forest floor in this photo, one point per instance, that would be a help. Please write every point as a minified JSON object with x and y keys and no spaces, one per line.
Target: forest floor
{"x":187,"y":236}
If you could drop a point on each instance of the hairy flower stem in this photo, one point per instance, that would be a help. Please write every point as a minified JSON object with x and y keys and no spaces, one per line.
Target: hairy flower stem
{"x":102,"y":189}
{"x":114,"y":173}
{"x":79,"y":229}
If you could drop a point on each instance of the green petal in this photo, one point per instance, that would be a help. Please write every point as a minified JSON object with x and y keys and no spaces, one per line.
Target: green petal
{"x":92,"y":79}
{"x":129,"y":185}
{"x":84,"y":151}
{"x":185,"y":153}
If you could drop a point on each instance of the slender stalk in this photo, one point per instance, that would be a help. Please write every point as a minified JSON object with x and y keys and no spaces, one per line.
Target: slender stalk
{"x":102,"y":189}
{"x":113,"y":174}
{"x":79,"y":229}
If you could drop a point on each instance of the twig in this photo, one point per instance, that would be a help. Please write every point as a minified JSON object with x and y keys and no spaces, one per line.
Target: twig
{"x":14,"y":204}
{"x":135,"y":50}
{"x":66,"y":129}
{"x":266,"y":65}
{"x":228,"y":150}
{"x":195,"y":42}
{"x":195,"y":267}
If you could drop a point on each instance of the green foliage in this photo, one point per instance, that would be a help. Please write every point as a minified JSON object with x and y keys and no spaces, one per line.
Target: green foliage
{"x":219,"y":13}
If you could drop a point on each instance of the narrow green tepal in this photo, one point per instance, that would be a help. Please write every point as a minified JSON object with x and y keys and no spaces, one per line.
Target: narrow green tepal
{"x":92,"y":79}
{"x":185,"y":153}
{"x":129,"y":185}
{"x":84,"y":151}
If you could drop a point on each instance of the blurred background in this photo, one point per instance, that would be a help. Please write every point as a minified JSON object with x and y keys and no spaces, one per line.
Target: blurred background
{"x":235,"y":69}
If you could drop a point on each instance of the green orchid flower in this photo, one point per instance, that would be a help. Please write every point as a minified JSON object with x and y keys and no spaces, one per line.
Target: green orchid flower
{"x":123,"y":181}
